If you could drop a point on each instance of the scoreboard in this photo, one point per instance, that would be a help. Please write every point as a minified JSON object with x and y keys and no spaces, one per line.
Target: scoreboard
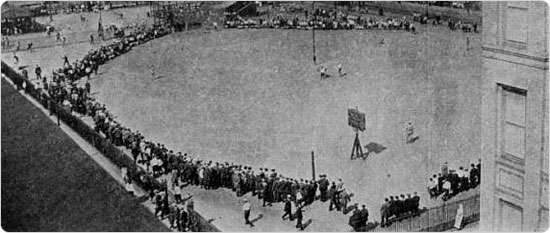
{"x":356,"y":119}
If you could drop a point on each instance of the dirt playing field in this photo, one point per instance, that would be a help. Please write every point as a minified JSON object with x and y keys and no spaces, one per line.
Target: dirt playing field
{"x":254,"y":97}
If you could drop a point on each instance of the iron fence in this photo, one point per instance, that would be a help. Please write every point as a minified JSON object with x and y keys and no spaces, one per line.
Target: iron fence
{"x":439,"y":218}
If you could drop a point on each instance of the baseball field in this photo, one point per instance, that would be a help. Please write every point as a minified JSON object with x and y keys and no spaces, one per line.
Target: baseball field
{"x":254,"y":97}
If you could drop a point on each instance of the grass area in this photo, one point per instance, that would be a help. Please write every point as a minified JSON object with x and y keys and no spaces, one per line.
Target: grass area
{"x":50,"y":184}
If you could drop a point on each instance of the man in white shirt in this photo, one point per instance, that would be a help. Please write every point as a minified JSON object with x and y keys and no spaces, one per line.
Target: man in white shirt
{"x":446,"y":189}
{"x":432,"y":186}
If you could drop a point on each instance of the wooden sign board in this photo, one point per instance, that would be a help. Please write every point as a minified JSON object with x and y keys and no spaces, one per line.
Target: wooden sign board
{"x":356,"y":119}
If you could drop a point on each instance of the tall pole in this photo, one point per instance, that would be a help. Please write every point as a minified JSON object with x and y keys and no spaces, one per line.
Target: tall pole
{"x":313,"y":165}
{"x":313,"y":31}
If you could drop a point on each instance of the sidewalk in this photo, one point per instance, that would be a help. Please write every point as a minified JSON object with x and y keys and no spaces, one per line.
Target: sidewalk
{"x":105,"y":163}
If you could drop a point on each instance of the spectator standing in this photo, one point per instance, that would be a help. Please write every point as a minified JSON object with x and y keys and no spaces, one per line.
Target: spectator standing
{"x":246,"y":209}
{"x":364,"y":216}
{"x":177,"y":192}
{"x":444,"y":170}
{"x":446,"y":189}
{"x":333,"y":197}
{"x":323,"y":187}
{"x":190,"y":204}
{"x":88,"y":87}
{"x":299,"y":217}
{"x":183,"y":219}
{"x":432,"y":188}
{"x":38,"y":72}
{"x":287,"y":209}
{"x":355,"y":218}
{"x":384,"y":212}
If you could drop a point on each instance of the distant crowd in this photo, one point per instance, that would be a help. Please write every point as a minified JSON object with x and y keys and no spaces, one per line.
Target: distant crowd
{"x":20,"y":26}
{"x":323,"y":19}
{"x":62,"y":87}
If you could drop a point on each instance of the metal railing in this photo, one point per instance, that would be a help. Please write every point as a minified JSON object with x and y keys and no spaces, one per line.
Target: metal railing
{"x":439,"y":218}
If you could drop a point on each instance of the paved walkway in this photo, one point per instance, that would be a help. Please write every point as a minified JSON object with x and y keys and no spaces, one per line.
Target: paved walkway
{"x":99,"y":158}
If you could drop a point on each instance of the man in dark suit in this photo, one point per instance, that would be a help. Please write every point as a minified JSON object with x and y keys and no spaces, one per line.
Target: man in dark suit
{"x":364,"y":216}
{"x":323,"y":187}
{"x":355,"y":219}
{"x":183,"y":219}
{"x":287,"y":209}
{"x":332,"y":196}
{"x":299,"y":218}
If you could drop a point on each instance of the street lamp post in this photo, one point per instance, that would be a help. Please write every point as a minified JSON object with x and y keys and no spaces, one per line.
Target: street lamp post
{"x":313,"y":32}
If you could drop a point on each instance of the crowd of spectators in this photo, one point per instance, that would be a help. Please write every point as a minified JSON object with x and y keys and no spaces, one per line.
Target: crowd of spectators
{"x":21,"y":25}
{"x":62,"y":85}
{"x":331,"y":20}
{"x":451,"y":182}
{"x":325,"y":20}
{"x":264,"y":183}
{"x":399,"y":206}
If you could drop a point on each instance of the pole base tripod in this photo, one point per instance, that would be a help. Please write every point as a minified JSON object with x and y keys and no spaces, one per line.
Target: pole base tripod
{"x":357,"y":151}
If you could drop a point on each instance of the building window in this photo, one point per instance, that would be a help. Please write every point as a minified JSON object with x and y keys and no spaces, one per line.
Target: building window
{"x":516,"y":24}
{"x":512,"y":127}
